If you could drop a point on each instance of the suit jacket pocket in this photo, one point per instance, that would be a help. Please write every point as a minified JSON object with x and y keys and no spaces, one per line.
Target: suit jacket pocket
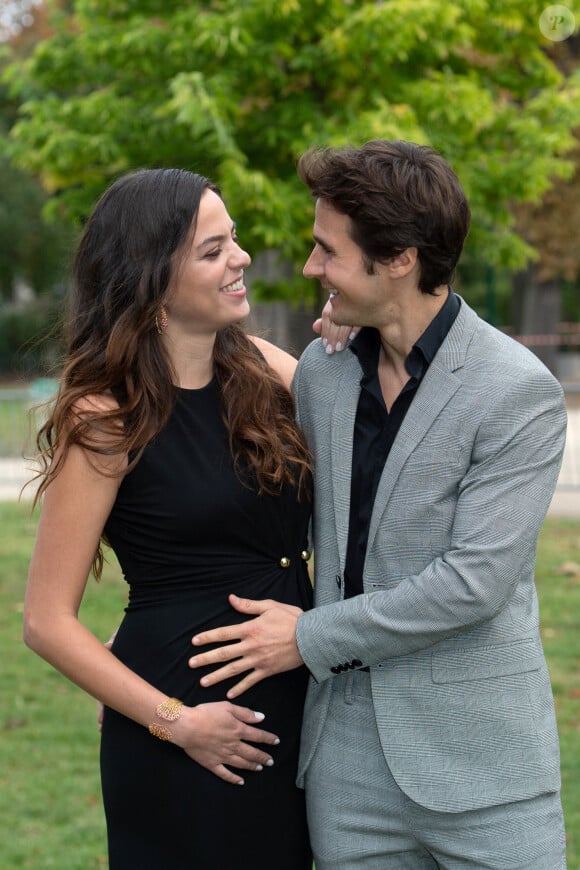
{"x":480,"y":663}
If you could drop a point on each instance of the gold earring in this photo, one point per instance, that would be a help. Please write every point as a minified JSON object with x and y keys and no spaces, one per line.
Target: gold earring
{"x":161,"y":321}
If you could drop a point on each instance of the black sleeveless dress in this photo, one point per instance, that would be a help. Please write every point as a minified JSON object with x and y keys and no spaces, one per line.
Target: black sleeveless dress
{"x":187,"y":532}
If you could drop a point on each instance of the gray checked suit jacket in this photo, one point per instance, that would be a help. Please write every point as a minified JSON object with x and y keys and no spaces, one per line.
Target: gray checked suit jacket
{"x":448,"y":621}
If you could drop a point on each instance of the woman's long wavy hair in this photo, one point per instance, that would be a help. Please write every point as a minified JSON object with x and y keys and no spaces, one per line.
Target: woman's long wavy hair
{"x":130,"y":248}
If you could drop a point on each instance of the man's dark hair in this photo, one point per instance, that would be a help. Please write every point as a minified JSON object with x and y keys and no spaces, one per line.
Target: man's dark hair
{"x":398,"y":195}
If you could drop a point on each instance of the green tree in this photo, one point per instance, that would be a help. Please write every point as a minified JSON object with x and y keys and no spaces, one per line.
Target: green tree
{"x":237,"y":90}
{"x":32,"y":250}
{"x":551,"y":226}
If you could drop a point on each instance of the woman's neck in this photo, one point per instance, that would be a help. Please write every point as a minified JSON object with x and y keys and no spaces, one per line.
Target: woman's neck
{"x":192,"y":359}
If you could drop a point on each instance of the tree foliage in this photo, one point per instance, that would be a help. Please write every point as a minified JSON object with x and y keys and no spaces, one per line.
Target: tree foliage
{"x":32,"y":250}
{"x":552,"y":225}
{"x":237,"y":90}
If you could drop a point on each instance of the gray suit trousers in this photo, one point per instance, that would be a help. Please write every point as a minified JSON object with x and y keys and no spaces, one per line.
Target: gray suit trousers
{"x":360,"y":818}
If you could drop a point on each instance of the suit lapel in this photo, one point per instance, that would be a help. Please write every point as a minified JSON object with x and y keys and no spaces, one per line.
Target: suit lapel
{"x":436,"y":389}
{"x":344,"y":413}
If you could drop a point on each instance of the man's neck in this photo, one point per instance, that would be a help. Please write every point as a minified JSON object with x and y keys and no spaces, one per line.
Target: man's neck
{"x":405,"y":322}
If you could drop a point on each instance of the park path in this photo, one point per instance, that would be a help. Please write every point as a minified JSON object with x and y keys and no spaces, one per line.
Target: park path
{"x":566,"y":501}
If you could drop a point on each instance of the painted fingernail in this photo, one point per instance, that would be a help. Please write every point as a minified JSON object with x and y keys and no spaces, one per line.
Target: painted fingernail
{"x":259,"y":716}
{"x":270,"y":762}
{"x":324,"y":342}
{"x":240,"y":782}
{"x":259,"y":767}
{"x":352,"y":335}
{"x":339,"y":346}
{"x":276,"y":742}
{"x":329,"y":349}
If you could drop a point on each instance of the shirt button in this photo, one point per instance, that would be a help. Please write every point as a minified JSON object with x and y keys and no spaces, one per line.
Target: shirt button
{"x":284,"y":562}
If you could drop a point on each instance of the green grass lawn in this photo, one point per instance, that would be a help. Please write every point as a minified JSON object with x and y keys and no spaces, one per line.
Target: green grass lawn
{"x":50,"y":804}
{"x":15,"y":427}
{"x":558,"y":581}
{"x":22,"y":409}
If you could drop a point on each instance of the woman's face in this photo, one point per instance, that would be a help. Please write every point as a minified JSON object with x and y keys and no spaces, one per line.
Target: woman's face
{"x":207,"y":290}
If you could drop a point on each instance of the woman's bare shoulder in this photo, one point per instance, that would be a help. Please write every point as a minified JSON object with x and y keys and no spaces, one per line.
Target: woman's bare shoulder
{"x":283,"y":363}
{"x":104,"y":435}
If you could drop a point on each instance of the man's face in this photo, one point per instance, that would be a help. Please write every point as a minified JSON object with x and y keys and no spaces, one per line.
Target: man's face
{"x":337,"y":262}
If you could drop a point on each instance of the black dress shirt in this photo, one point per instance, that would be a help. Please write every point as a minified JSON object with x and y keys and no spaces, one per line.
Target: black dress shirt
{"x":375,"y":429}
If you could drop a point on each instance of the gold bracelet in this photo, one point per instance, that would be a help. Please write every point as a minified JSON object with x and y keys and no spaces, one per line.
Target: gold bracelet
{"x":170,"y":709}
{"x":160,"y":731}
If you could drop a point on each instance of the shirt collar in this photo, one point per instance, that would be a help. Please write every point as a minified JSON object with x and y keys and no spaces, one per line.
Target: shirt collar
{"x":366,"y":345}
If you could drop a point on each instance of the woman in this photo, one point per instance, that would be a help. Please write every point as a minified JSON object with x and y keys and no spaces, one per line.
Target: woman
{"x":173,"y":439}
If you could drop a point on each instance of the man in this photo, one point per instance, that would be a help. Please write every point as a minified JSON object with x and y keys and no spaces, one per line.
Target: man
{"x":429,"y":736}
